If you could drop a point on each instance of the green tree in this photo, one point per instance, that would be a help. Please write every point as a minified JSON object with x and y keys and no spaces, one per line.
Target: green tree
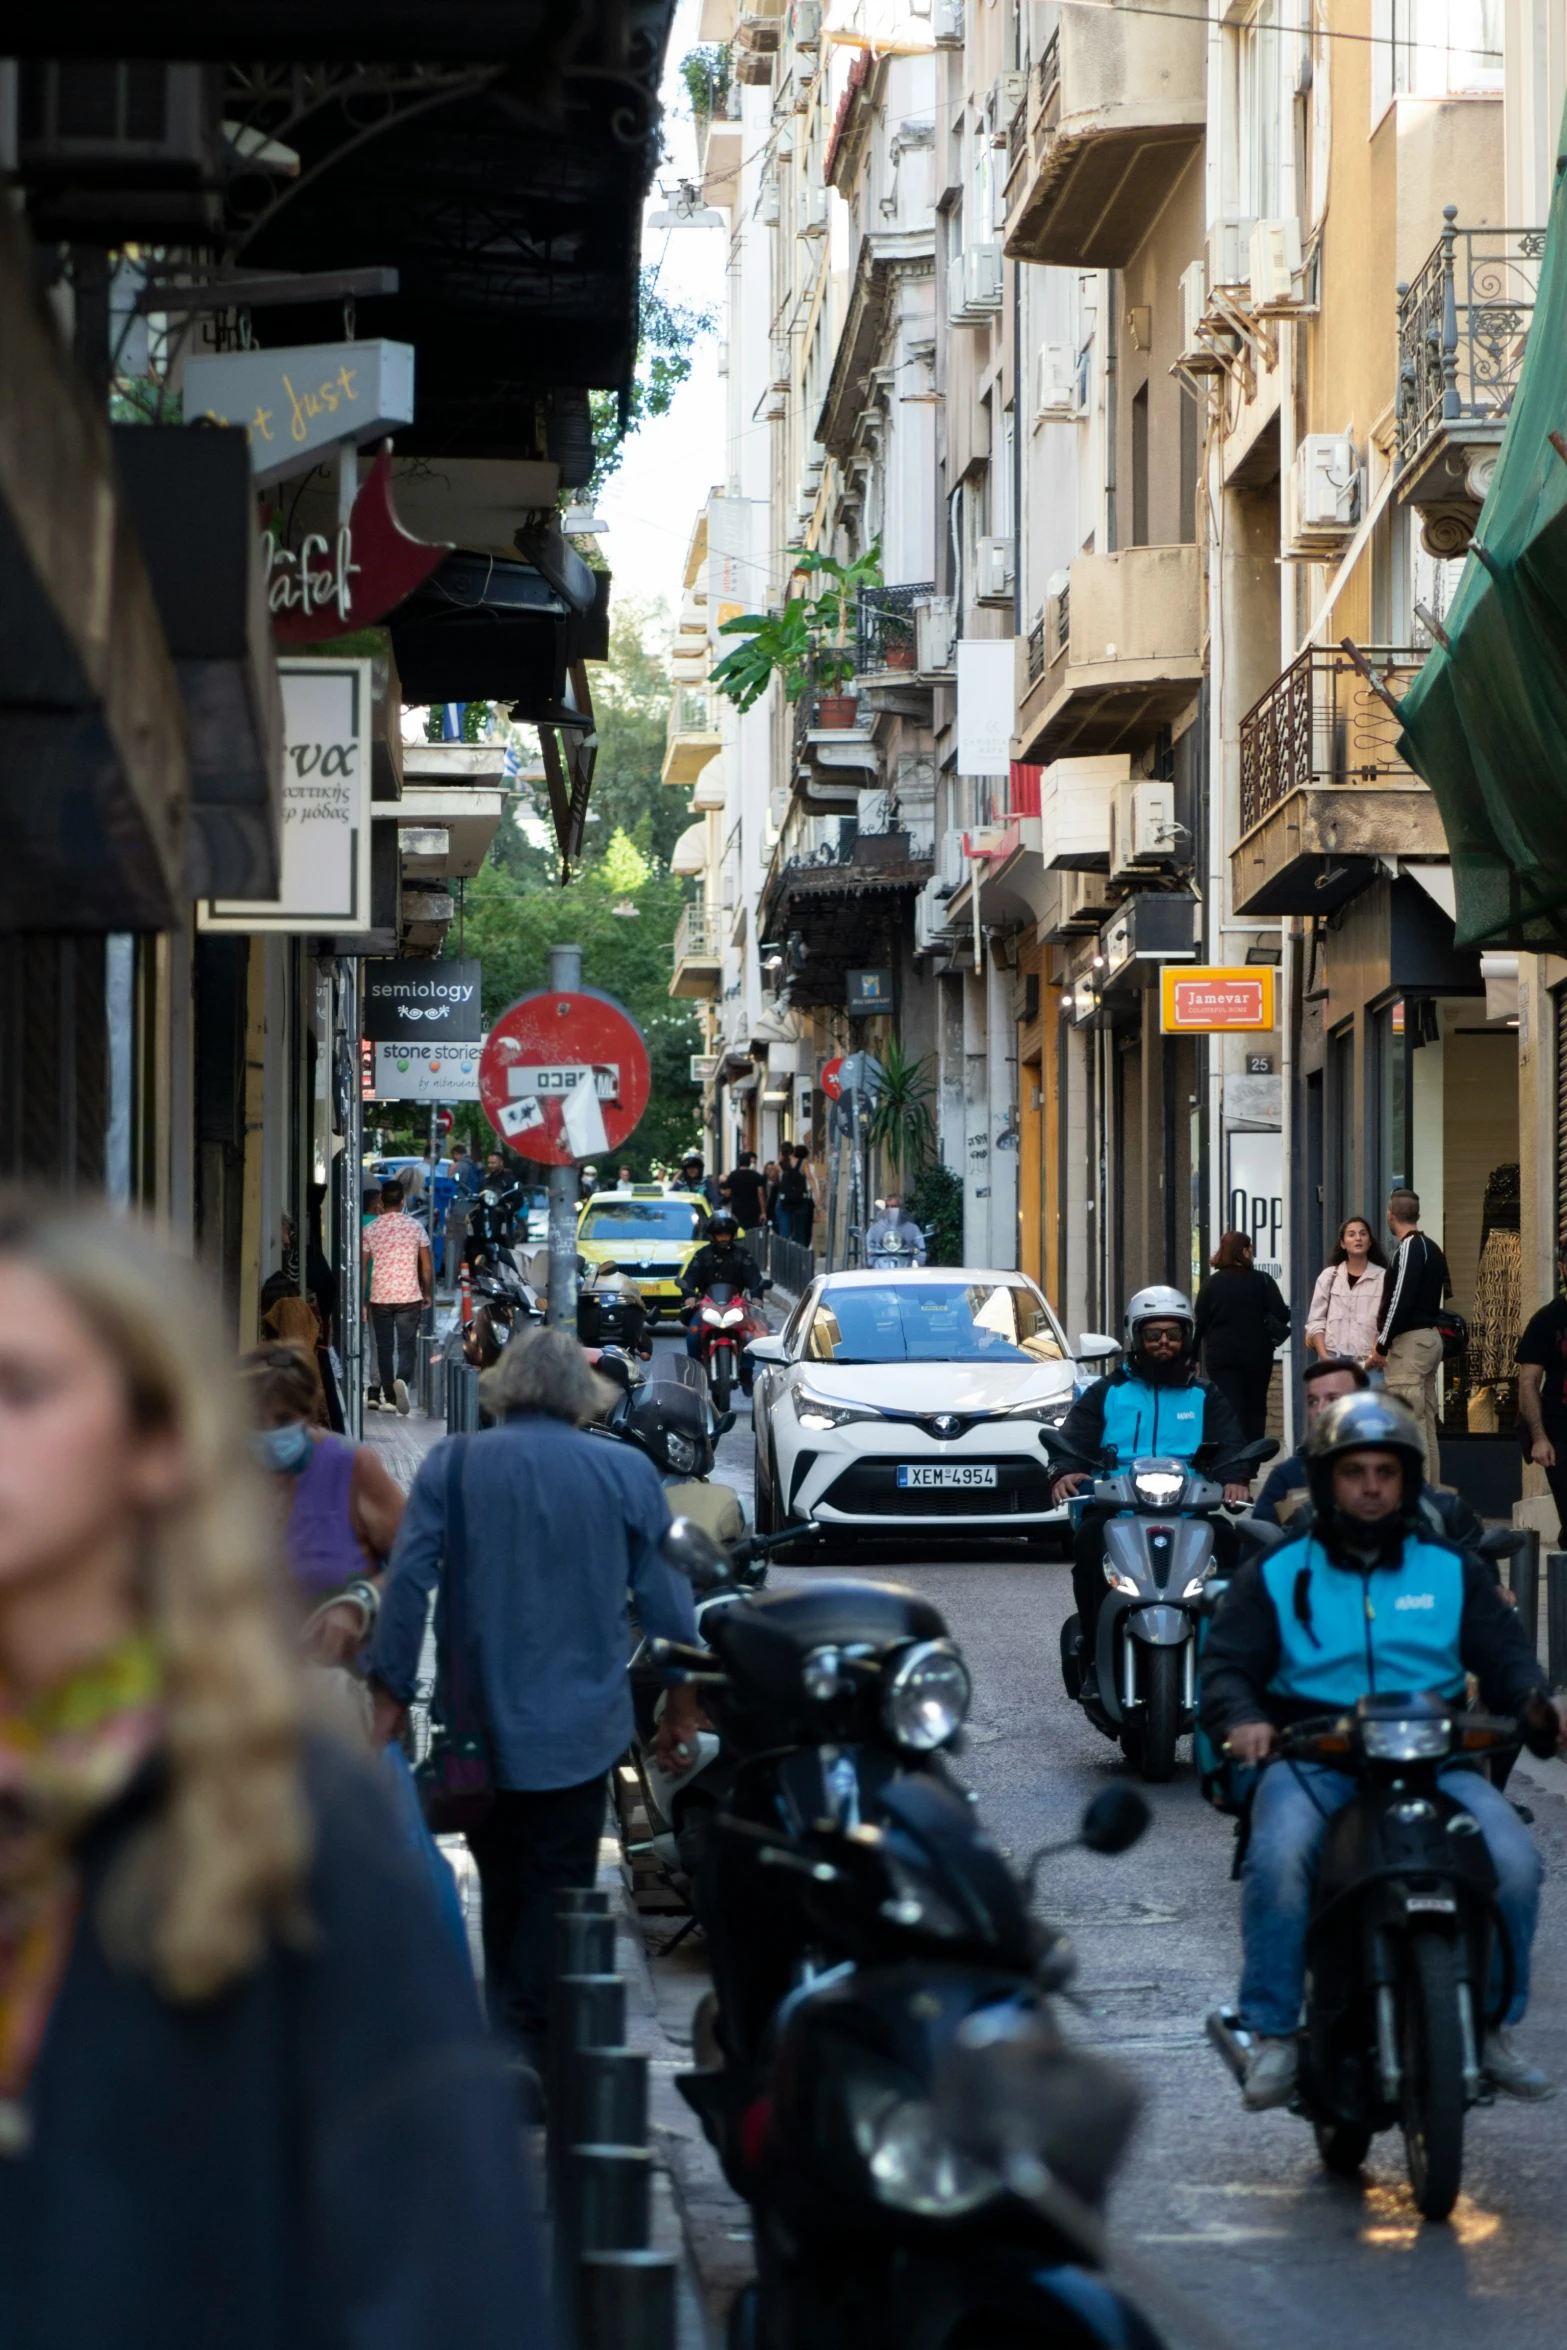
{"x":512,"y":925}
{"x":666,"y":339}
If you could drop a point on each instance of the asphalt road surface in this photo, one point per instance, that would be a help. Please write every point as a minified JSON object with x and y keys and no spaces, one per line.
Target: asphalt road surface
{"x":1236,"y":2236}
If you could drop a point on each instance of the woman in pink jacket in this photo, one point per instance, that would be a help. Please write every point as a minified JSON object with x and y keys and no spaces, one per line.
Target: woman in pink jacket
{"x":1347,"y":1300}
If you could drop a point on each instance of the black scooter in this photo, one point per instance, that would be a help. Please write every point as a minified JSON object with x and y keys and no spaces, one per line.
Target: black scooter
{"x":1398,"y":1950}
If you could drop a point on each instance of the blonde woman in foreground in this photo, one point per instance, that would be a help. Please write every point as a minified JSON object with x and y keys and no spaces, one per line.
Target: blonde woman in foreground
{"x":244,"y":2096}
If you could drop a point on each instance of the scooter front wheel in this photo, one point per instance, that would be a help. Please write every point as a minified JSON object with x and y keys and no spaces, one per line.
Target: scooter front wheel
{"x":720,"y":1374}
{"x":1150,"y":1748}
{"x":1433,"y":2061}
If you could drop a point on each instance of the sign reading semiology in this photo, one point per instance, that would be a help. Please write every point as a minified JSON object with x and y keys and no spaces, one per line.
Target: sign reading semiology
{"x":297,"y":404}
{"x":326,"y":806}
{"x":423,"y":1002}
{"x":1195,"y":1002}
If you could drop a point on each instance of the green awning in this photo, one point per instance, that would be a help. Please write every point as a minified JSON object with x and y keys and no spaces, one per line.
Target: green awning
{"x":1485,"y":722}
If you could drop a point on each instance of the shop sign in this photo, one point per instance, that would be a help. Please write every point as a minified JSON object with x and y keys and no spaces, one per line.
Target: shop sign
{"x":325,"y":588}
{"x":564,"y":1075}
{"x":1211,"y":1002}
{"x":867,"y":992}
{"x":987,"y":704}
{"x":296,"y":404}
{"x":410,"y":1002}
{"x":426,"y":1072}
{"x":1256,"y":1197}
{"x":326,"y":806}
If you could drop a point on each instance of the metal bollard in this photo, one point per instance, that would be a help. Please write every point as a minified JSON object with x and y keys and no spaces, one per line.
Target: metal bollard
{"x":1556,"y":1619}
{"x":1524,"y":1581}
{"x":611,"y":2198}
{"x":626,"y":2301}
{"x":462,"y":1399}
{"x":584,"y":1943}
{"x":589,"y":2011}
{"x":581,"y":1897}
{"x":607,"y":2097}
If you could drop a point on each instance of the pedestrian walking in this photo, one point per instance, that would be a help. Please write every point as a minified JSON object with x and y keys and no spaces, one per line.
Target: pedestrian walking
{"x":554,"y":1531}
{"x":747,"y":1195}
{"x":244,"y":2091}
{"x":770,"y":1174}
{"x":1408,"y":1348}
{"x":467,"y":1183}
{"x":1346,"y":1303}
{"x":1241,"y":1320}
{"x":794,"y":1207}
{"x":1542,"y":1391}
{"x":397,"y":1256}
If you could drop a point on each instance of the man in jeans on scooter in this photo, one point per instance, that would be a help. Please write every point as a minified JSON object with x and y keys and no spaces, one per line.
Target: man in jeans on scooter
{"x":1366,"y":1599}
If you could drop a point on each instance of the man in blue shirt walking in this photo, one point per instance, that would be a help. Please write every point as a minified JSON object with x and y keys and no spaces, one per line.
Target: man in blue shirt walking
{"x":559,"y":1529}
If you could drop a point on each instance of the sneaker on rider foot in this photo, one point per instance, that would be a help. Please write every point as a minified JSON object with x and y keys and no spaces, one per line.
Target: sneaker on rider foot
{"x":1271,"y":2067}
{"x":1512,"y":2073}
{"x":400,"y":1390}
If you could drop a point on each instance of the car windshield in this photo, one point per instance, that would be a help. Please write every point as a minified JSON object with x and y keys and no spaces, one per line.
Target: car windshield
{"x":933,"y":1322}
{"x":674,"y":1220}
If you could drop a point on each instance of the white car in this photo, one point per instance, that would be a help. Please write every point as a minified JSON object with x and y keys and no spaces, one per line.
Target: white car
{"x":896,"y":1402}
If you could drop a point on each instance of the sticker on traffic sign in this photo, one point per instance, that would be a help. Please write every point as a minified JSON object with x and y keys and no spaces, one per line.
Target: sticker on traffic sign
{"x":564,"y":1075}
{"x":832,"y":1079}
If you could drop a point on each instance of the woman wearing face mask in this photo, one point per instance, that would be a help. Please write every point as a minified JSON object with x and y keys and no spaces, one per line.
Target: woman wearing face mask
{"x":343,"y":1509}
{"x":244,"y":2093}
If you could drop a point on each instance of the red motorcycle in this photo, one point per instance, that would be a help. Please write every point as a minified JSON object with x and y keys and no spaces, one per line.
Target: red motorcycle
{"x":725,"y":1323}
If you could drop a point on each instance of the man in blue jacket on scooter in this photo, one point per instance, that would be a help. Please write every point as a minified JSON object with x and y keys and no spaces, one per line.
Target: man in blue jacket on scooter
{"x":1368,"y":1598}
{"x":1154,"y":1404}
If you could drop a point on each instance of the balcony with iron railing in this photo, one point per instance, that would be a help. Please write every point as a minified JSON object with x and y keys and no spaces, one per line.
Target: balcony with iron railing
{"x":1463,"y":325}
{"x":692,"y":736}
{"x":1113,"y":112}
{"x":1116,"y":655}
{"x":886,"y":643}
{"x":697,"y":952}
{"x":1324,"y":791}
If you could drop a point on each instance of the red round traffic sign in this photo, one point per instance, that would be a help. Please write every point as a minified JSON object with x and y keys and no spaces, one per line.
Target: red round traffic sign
{"x":564,"y":1075}
{"x":444,"y":1120}
{"x":832,"y":1079}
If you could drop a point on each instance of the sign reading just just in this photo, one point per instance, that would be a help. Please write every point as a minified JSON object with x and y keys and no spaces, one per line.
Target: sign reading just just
{"x":298,"y":403}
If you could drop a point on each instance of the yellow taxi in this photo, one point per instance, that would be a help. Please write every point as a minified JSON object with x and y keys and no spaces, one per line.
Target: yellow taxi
{"x":648,"y":1234}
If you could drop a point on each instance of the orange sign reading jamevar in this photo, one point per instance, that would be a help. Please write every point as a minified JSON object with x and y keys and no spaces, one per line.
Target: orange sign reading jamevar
{"x":1208,"y":1002}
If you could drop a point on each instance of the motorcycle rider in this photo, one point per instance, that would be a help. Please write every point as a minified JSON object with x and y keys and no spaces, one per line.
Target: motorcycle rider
{"x":1366,"y":1597}
{"x":1155,"y":1403}
{"x":1286,"y":1493}
{"x":896,"y":1231}
{"x":720,"y":1258}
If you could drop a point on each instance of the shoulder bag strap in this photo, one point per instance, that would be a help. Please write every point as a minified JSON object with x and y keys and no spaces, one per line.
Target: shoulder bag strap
{"x":453,"y":1566}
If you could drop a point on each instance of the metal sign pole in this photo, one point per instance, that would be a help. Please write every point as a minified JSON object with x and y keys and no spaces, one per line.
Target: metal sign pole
{"x":565,"y":978}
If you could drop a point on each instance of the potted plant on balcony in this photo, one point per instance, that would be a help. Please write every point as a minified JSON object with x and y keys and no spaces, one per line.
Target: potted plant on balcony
{"x":806,"y":645}
{"x":897,"y":641}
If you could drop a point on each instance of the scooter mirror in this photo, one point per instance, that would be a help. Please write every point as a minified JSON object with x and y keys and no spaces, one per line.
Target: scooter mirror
{"x":1114,"y":1820}
{"x":695,"y":1554}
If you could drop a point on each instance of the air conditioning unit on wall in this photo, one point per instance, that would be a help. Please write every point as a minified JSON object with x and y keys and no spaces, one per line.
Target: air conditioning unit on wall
{"x":1229,"y":250}
{"x":974,"y":288}
{"x":811,"y":211}
{"x":1194,"y":308}
{"x":1056,"y":396}
{"x":1143,"y":834}
{"x":933,"y":633}
{"x":1324,"y":491}
{"x":946,"y":23}
{"x":995,"y":570}
{"x":1275,"y":263}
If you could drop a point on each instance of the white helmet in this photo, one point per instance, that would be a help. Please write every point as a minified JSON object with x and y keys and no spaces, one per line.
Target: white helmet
{"x":1159,"y":1304}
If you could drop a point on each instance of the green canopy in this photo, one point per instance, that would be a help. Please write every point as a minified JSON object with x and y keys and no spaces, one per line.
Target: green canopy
{"x":1485,"y":722}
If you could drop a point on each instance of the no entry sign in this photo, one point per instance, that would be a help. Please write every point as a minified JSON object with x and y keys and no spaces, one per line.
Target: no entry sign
{"x":564,"y":1075}
{"x":832,"y":1079}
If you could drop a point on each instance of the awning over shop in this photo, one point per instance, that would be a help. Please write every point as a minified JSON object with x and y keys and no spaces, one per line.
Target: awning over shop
{"x":1486,"y":720}
{"x":483,"y":630}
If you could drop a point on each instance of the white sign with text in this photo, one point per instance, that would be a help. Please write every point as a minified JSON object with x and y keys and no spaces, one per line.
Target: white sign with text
{"x":326,"y":807}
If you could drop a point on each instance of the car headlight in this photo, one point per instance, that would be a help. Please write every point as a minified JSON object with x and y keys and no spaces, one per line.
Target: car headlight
{"x":1049,"y":1414}
{"x":1406,"y":1741}
{"x":680,"y":1453}
{"x":926,"y":1698}
{"x":815,"y":1412}
{"x":1159,"y":1487}
{"x":912,"y":2166}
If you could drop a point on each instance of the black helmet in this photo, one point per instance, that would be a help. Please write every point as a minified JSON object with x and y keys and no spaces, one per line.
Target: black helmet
{"x":1368,"y":1421}
{"x":723,"y":1222}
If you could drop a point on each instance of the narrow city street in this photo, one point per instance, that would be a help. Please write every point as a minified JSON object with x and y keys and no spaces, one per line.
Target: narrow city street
{"x":1233,"y":2234}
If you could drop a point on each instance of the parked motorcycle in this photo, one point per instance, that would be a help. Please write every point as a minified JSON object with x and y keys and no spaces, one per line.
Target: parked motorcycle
{"x":725,"y":1324}
{"x":1398,"y":1950}
{"x":1159,"y":1557}
{"x":869,"y":1941}
{"x":610,"y":1309}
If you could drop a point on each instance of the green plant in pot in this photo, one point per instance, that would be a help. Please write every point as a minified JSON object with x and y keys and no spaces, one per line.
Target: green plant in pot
{"x":901,"y":1124}
{"x":806,"y":645}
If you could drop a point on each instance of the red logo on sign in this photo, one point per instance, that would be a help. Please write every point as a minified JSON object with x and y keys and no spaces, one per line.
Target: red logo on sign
{"x":564,"y":1077}
{"x":832,"y":1079}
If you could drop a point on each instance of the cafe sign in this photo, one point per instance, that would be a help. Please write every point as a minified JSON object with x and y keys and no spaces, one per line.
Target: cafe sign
{"x":297,"y":404}
{"x":328,"y":587}
{"x":1213,"y":1002}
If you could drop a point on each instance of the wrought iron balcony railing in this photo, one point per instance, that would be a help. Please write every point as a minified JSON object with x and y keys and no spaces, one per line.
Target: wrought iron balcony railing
{"x":696,"y":933}
{"x":1462,"y":326}
{"x":693,"y":710}
{"x":1322,"y":723}
{"x":884,"y":632}
{"x":1036,"y":651}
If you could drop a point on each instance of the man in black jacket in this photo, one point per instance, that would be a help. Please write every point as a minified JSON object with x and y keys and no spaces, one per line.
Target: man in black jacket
{"x":1367,"y":1598}
{"x":1409,"y":1344}
{"x":721,"y":1259}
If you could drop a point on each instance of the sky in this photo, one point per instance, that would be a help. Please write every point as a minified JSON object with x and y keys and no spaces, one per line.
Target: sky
{"x":672,"y":462}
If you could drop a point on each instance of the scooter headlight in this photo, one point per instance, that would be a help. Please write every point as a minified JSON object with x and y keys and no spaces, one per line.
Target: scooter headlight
{"x":926,"y":1698}
{"x":680,"y":1453}
{"x":1158,"y":1487}
{"x":911,"y":2165}
{"x":1197,"y":1582}
{"x":1119,"y":1582}
{"x":1406,"y":1741}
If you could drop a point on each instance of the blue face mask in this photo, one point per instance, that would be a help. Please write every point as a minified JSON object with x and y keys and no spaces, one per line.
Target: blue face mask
{"x":285,"y":1449}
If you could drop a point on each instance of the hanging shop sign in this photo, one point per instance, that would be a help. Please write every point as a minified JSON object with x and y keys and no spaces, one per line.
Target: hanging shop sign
{"x":325,"y":880}
{"x":411,"y":1002}
{"x":564,"y":1076}
{"x":426,"y":1072}
{"x":1256,"y":1197}
{"x":327,"y":586}
{"x":867,"y":992}
{"x":297,"y":404}
{"x":1212,"y":1002}
{"x":987,"y":704}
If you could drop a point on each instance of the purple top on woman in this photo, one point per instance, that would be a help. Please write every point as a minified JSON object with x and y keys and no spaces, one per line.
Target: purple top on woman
{"x":324,"y":1552}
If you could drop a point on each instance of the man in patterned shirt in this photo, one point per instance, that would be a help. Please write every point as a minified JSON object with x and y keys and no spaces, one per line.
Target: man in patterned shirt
{"x":397,"y":1252}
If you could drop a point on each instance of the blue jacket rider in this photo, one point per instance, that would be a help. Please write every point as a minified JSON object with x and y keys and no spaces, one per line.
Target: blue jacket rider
{"x":1367,"y":1598}
{"x":1155,"y":1403}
